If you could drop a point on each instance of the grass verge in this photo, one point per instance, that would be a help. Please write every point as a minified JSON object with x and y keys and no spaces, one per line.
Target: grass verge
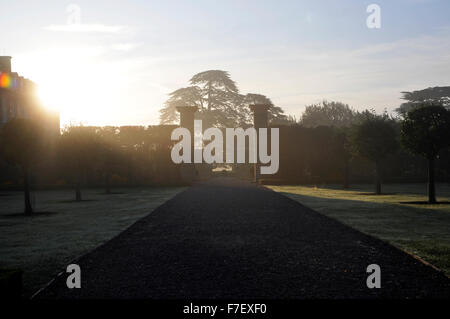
{"x":43,"y":244}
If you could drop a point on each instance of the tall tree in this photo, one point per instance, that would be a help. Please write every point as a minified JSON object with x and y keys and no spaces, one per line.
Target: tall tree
{"x":191,"y":96}
{"x":425,"y":131}
{"x":217,"y":88}
{"x":219,"y":95}
{"x":219,"y":102}
{"x":375,"y":139}
{"x":22,"y":142}
{"x":276,"y":113}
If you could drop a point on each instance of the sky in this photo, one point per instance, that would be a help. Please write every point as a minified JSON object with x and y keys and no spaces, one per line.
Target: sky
{"x":114,"y":62}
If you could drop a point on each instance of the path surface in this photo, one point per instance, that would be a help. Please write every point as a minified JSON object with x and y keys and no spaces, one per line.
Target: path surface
{"x":230,"y":239}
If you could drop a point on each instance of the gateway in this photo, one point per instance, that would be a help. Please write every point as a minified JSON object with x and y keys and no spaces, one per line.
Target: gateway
{"x":213,"y":150}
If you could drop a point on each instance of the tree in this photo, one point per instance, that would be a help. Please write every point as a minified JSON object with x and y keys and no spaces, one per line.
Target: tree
{"x":327,"y":113}
{"x":375,"y":139}
{"x":110,"y":154}
{"x":432,"y":95}
{"x":217,"y":88}
{"x":22,"y":143}
{"x":275,"y":113}
{"x":217,"y":97}
{"x":78,"y":151}
{"x":191,"y":96}
{"x":425,"y":131}
{"x":213,"y":92}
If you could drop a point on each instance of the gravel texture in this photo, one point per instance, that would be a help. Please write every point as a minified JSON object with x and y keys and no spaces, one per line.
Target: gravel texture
{"x":231,"y":239}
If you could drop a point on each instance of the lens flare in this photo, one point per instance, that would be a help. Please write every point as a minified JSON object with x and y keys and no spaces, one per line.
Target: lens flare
{"x":7,"y":81}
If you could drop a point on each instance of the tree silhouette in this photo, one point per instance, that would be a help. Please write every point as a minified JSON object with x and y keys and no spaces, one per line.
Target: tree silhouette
{"x":111,"y":156}
{"x":78,"y":152}
{"x":432,"y":95}
{"x":217,"y":88}
{"x":425,"y":131}
{"x":191,"y":96}
{"x":276,"y":113}
{"x":375,"y":139}
{"x":217,"y":97}
{"x":22,"y":142}
{"x":327,"y":113}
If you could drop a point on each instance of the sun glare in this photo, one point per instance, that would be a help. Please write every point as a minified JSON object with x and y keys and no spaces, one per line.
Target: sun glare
{"x":79,"y":95}
{"x":48,"y":97}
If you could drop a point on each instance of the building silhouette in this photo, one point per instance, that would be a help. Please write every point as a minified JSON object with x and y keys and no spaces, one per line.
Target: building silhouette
{"x":18,"y":99}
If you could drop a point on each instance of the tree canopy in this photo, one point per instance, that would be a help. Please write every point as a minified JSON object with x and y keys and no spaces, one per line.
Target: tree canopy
{"x":426,"y":130}
{"x":219,"y":102}
{"x":430,"y":96}
{"x":375,"y":138}
{"x":327,"y":113}
{"x":23,"y":144}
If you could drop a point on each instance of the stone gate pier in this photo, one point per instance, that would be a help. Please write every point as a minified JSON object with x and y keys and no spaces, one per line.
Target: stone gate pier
{"x":188,"y":171}
{"x":195,"y":171}
{"x":260,"y":120}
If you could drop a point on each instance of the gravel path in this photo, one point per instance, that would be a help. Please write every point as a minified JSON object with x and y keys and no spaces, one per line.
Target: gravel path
{"x":231,"y":239}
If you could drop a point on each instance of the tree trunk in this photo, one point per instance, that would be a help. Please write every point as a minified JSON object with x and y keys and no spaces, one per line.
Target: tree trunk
{"x":431,"y":186}
{"x":78,"y":192}
{"x":346,"y":174}
{"x":107,"y":184}
{"x":377,"y":179}
{"x":26,"y":189}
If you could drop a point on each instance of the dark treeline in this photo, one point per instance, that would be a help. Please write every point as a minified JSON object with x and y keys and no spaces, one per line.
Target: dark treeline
{"x":86,"y":156}
{"x":331,"y":143}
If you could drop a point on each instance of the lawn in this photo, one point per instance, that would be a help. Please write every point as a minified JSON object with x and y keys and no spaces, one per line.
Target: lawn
{"x":42,"y":245}
{"x":423,"y":230}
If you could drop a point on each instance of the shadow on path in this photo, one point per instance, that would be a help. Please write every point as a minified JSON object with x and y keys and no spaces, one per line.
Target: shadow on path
{"x":230,"y":239}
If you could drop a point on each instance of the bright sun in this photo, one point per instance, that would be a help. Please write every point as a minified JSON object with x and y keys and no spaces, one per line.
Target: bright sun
{"x":81,"y":89}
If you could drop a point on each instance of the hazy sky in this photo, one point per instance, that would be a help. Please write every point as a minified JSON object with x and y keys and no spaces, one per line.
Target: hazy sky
{"x":118,"y":65}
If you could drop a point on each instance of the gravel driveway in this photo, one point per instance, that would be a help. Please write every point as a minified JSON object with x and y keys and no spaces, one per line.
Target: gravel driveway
{"x":231,"y":239}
